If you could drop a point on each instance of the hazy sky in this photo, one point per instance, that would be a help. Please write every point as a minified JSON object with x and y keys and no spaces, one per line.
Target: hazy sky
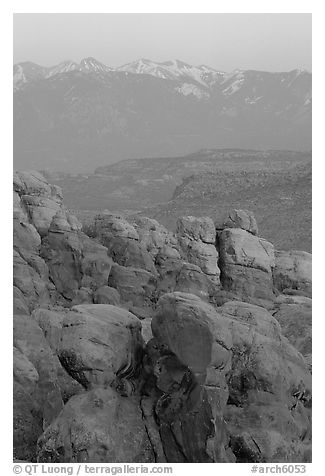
{"x":266,"y":41}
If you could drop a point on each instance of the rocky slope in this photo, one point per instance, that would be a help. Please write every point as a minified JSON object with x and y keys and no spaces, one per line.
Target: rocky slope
{"x":275,"y":185}
{"x":135,"y":344}
{"x":280,"y":199}
{"x":67,"y":113}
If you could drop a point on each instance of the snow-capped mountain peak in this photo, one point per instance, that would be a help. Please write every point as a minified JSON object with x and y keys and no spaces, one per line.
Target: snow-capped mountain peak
{"x":253,"y":88}
{"x":93,"y":65}
{"x":174,"y":70}
{"x":63,"y":67}
{"x":144,"y":66}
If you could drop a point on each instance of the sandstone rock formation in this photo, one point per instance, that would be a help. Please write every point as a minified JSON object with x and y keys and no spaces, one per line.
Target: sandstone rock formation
{"x":246,"y":264}
{"x":136,"y":286}
{"x":37,"y":395}
{"x":53,"y":259}
{"x":100,"y":343}
{"x":268,"y":411}
{"x":107,"y":295}
{"x":134,"y":344}
{"x":243,"y":219}
{"x":122,"y":242}
{"x":197,"y":238}
{"x":179,"y":275}
{"x":294,"y":313}
{"x":41,"y":200}
{"x":189,"y":357}
{"x":240,"y":370}
{"x":155,"y":237}
{"x":98,"y":426}
{"x":293,"y":272}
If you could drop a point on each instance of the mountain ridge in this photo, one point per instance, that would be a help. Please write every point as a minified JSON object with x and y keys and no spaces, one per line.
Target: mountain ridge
{"x":74,"y":115}
{"x":175,"y":68}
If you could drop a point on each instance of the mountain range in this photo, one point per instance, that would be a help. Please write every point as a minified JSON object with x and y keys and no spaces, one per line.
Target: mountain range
{"x":77,"y":116}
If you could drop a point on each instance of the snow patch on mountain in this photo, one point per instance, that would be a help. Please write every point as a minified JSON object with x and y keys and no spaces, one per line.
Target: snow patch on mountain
{"x":308,"y":99}
{"x":19,"y":76}
{"x":187,"y":88}
{"x":252,"y":100}
{"x":234,"y":87}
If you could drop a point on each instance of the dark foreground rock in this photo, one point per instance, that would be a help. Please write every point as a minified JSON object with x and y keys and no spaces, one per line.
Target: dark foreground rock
{"x":98,"y":426}
{"x":268,"y":412}
{"x":37,"y":394}
{"x":234,"y":371}
{"x":192,"y":356}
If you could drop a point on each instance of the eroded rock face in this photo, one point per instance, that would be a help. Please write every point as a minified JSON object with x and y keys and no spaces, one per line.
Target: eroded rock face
{"x":241,"y":248}
{"x":37,"y":396}
{"x":268,"y":411}
{"x":20,"y":305}
{"x":34,"y":290}
{"x":24,"y":371}
{"x":199,"y":229}
{"x":29,"y":340}
{"x":246,"y":263}
{"x":40,"y":199}
{"x":100,"y":344}
{"x":98,"y":426}
{"x":293,"y":272}
{"x":243,"y":219}
{"x":122,"y":242}
{"x":234,"y":364}
{"x":156,"y":238}
{"x":129,"y":252}
{"x":62,"y":252}
{"x":53,"y":259}
{"x":26,"y":429}
{"x":51,"y":322}
{"x":107,"y":295}
{"x":30,"y":273}
{"x":75,"y":261}
{"x":179,"y":275}
{"x":108,"y":226}
{"x":33,"y":183}
{"x":190,"y":328}
{"x":294,"y":315}
{"x":189,"y":356}
{"x":82,"y":296}
{"x":136,"y":286}
{"x":197,"y":240}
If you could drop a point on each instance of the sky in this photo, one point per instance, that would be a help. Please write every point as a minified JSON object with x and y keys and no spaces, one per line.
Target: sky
{"x":225,"y":41}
